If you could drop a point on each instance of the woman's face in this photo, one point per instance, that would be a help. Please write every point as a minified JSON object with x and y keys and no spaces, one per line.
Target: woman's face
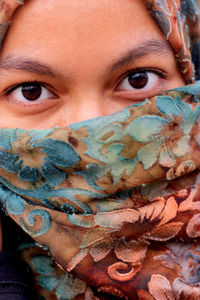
{"x":69,"y":60}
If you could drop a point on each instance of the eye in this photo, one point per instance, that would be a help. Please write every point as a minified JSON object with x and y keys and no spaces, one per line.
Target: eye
{"x":30,"y":91}
{"x":140,"y":81}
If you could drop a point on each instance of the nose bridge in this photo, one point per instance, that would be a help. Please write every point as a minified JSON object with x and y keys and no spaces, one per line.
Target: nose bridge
{"x":86,"y":105}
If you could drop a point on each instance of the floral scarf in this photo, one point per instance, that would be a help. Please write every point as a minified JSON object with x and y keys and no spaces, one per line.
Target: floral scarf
{"x":112,"y":204}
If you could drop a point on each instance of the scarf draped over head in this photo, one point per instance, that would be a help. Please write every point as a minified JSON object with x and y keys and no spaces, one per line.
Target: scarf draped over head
{"x":114,"y":201}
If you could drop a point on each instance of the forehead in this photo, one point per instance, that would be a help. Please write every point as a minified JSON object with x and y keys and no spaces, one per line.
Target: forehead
{"x":80,"y":30}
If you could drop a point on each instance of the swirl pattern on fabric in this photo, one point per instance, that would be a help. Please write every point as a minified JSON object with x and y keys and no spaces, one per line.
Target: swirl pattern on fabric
{"x":135,"y":205}
{"x":114,"y":200}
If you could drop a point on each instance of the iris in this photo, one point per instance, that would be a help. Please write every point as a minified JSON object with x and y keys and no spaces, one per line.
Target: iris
{"x":138,"y":80}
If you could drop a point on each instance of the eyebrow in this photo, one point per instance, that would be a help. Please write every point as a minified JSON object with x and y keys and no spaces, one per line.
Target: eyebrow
{"x":28,"y":65}
{"x":159,"y":47}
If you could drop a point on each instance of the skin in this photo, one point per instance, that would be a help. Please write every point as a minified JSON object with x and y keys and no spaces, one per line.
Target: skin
{"x":85,"y":44}
{"x":70,"y":38}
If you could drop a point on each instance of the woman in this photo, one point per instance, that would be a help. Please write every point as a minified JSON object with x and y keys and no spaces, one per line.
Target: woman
{"x":114,"y":200}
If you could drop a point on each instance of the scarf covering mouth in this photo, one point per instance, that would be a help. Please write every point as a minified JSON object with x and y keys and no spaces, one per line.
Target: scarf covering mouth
{"x":114,"y":200}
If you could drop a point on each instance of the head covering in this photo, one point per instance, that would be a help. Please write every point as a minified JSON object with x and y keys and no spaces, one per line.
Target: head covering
{"x":114,"y":200}
{"x":179,"y":22}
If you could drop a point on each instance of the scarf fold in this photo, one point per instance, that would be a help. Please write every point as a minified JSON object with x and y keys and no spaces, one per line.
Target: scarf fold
{"x":114,"y":201}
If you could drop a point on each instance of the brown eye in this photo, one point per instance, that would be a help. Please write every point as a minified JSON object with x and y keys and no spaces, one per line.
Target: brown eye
{"x":30,"y":92}
{"x":138,"y":80}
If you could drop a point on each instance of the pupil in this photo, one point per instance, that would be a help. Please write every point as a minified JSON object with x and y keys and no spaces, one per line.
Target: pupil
{"x":31,"y":92}
{"x":138,"y":80}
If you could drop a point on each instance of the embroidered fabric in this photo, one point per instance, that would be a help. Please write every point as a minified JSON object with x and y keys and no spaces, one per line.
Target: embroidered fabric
{"x":114,"y":200}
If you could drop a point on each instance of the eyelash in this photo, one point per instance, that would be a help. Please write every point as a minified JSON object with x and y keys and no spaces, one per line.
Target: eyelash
{"x":156,"y":71}
{"x":9,"y":90}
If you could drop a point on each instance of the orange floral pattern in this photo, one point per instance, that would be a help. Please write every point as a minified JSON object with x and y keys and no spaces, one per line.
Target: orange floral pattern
{"x":112,"y":204}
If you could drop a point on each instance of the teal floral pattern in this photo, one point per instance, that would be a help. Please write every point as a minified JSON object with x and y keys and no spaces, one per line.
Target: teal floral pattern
{"x":110,"y":193}
{"x":112,"y":203}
